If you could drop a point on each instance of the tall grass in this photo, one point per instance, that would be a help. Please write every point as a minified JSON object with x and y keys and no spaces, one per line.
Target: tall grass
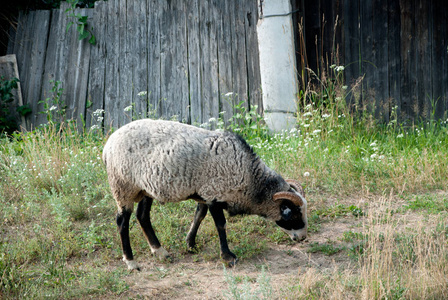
{"x":59,"y":239}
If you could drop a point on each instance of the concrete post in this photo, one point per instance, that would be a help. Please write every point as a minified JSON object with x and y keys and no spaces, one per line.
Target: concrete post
{"x":277,"y":64}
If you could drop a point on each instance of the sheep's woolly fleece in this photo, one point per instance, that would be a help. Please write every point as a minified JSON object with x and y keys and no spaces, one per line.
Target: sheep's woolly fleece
{"x":170,"y":162}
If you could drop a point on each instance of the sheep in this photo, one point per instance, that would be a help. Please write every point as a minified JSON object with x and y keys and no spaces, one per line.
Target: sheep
{"x":172,"y":162}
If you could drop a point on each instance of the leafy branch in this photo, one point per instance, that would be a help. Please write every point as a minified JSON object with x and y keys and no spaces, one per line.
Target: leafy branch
{"x":80,"y":22}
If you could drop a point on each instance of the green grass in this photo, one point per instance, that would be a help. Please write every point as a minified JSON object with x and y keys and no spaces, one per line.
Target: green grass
{"x":59,"y":239}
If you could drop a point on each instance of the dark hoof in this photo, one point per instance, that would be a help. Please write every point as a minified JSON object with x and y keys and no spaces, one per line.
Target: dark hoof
{"x":230,"y":259}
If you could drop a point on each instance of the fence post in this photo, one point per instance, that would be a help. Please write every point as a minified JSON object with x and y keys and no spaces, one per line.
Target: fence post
{"x":277,"y":64}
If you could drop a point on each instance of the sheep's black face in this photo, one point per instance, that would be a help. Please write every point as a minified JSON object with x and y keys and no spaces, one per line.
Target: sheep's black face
{"x":293,"y":220}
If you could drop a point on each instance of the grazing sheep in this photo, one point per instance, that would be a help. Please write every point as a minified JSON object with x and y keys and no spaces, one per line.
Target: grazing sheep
{"x":171,"y":162}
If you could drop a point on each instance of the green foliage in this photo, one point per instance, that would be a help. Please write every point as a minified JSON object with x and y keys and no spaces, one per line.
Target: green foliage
{"x":81,"y":23}
{"x":54,"y":106}
{"x":7,"y":121}
{"x":327,"y":249}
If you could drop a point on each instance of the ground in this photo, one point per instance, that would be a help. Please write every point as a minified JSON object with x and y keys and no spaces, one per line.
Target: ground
{"x":189,"y":278}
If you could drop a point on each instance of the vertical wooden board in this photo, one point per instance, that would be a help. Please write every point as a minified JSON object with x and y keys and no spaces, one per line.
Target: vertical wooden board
{"x":408,"y":62}
{"x":252,"y":56}
{"x":194,"y":72}
{"x":140,"y":56}
{"x":327,"y":33}
{"x":338,"y":39}
{"x":224,"y":35}
{"x":440,"y":59}
{"x":380,"y":59}
{"x":368,"y":53}
{"x":70,"y":75}
{"x":181,"y":31}
{"x":423,"y":27}
{"x":81,"y":79}
{"x":154,"y":96}
{"x":239,"y":67}
{"x":50,"y":67}
{"x":173,"y":68}
{"x":111,"y":97}
{"x":178,"y":100}
{"x":97,"y":66}
{"x":124,"y":101}
{"x":214,"y":81}
{"x":36,"y":56}
{"x":312,"y":29}
{"x":209,"y":72}
{"x":394,"y":62}
{"x":352,"y":58}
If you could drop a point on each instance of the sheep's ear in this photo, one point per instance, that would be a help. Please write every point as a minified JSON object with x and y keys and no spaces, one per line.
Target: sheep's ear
{"x":286,"y":212}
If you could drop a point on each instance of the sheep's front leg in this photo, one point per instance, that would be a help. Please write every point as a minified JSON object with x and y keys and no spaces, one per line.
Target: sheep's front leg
{"x":201,"y":212}
{"x":123,"y":217}
{"x":217,"y":212}
{"x":144,"y":218}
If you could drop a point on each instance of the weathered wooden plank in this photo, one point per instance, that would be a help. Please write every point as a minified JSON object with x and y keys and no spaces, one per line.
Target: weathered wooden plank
{"x":423,"y":27}
{"x":139,"y":53}
{"x":209,"y":72}
{"x":380,"y":59}
{"x":224,"y":36}
{"x":125,"y":66}
{"x":368,"y":66}
{"x":239,"y":54}
{"x":312,"y":27}
{"x":394,"y":62}
{"x":174,"y":79}
{"x":113,"y":111}
{"x":97,"y":68}
{"x":351,"y":47}
{"x":194,"y":66}
{"x":439,"y":72}
{"x":36,"y":56}
{"x":50,"y":67}
{"x":154,"y":96}
{"x":408,"y":59}
{"x":252,"y":56}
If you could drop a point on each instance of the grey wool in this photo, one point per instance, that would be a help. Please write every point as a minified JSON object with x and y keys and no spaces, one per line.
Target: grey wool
{"x":171,"y":162}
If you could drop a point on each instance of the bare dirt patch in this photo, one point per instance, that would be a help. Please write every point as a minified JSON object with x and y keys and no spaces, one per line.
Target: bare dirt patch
{"x":284,"y":264}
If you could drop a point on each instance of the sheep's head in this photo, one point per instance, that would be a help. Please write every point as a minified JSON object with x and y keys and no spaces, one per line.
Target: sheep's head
{"x":293,"y":206}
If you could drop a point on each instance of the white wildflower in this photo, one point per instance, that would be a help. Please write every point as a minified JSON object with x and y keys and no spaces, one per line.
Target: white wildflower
{"x":53,"y":108}
{"x":306,"y":174}
{"x":374,"y":155}
{"x":211,"y":120}
{"x":98,"y":112}
{"x":400,"y":135}
{"x":142,"y":93}
{"x":94,"y":127}
{"x":306,"y":125}
{"x":316,"y":131}
{"x":325,"y":116}
{"x":307,"y":114}
{"x":373,"y":144}
{"x":339,"y":68}
{"x":229,"y":94}
{"x":128,"y":108}
{"x":344,"y":87}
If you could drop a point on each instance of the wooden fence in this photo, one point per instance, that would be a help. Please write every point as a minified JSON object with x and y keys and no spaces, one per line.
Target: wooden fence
{"x":399,"y":46}
{"x":188,"y":55}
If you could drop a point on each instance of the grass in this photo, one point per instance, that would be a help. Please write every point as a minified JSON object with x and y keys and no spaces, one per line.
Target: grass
{"x":59,"y":240}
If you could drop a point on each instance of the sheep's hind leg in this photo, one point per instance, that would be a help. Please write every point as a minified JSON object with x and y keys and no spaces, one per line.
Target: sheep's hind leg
{"x":144,"y":218}
{"x":201,"y":212}
{"x":217,"y":212}
{"x":123,"y":228}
